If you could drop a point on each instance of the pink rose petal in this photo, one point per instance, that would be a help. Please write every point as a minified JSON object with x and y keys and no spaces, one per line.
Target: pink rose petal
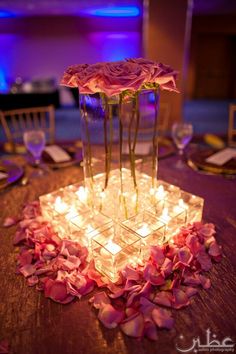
{"x":57,"y":291}
{"x":180,"y":299}
{"x":166,"y":267}
{"x":109,"y":316}
{"x":157,"y":254}
{"x":163,"y":298}
{"x":27,"y":270}
{"x":204,"y":260}
{"x":10,"y":221}
{"x":162,"y":318}
{"x":205,"y":282}
{"x":133,"y":326}
{"x":152,"y":275}
{"x":189,"y":291}
{"x":150,"y":330}
{"x":100,"y":299}
{"x":130,"y":273}
{"x":33,"y":280}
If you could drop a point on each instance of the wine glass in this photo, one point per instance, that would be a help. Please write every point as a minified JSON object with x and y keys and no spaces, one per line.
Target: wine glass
{"x":34,"y":141}
{"x":182,"y":134}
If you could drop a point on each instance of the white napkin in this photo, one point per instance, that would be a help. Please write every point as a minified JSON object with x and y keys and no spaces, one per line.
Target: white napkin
{"x":221,"y":157}
{"x":57,"y":153}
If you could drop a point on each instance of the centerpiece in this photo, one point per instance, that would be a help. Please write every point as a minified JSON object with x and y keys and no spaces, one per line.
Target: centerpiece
{"x":121,"y":209}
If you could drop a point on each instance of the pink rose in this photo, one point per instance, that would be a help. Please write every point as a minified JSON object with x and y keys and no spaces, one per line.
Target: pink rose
{"x":120,"y":76}
{"x":158,"y":73}
{"x":73,"y":75}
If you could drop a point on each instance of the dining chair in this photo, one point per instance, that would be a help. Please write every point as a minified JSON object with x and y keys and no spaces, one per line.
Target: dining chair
{"x":232,"y":125}
{"x":15,"y":122}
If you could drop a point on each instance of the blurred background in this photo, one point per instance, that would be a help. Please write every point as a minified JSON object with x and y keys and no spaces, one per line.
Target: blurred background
{"x":40,"y":39}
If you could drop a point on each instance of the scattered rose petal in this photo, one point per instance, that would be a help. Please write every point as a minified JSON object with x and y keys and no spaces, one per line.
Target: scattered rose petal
{"x":171,"y":275}
{"x":100,"y":299}
{"x":133,"y":326}
{"x":150,"y":330}
{"x":109,"y":316}
{"x":180,"y":299}
{"x":204,"y":260}
{"x":10,"y":221}
{"x":163,"y":298}
{"x":57,"y":291}
{"x":162,"y":318}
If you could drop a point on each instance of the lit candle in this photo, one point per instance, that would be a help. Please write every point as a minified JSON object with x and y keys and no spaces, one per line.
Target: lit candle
{"x":112,"y":247}
{"x":160,"y":193}
{"x":60,"y":206}
{"x":182,"y":204}
{"x":144,"y":230}
{"x":71,"y":214}
{"x":82,"y":193}
{"x":165,"y":216}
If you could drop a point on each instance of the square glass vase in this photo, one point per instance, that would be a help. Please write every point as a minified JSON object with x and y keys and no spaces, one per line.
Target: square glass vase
{"x":113,"y":248}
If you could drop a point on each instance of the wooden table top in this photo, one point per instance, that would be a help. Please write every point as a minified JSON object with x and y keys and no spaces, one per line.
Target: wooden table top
{"x":35,"y":325}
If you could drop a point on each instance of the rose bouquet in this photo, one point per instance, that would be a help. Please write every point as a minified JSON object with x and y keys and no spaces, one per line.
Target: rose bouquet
{"x":121,"y":77}
{"x":119,"y":87}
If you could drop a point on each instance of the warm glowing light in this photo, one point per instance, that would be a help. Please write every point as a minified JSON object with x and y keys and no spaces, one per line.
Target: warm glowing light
{"x":112,"y":247}
{"x":182,"y":204}
{"x":160,"y":193}
{"x":144,"y":230}
{"x":71,"y":214}
{"x":165,"y":215}
{"x":82,"y":194}
{"x":60,"y":206}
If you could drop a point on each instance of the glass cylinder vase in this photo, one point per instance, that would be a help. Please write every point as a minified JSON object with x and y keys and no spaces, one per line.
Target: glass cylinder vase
{"x":119,"y":138}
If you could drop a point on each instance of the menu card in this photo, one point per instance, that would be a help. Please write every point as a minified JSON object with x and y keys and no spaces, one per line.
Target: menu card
{"x":57,"y":153}
{"x":221,"y":157}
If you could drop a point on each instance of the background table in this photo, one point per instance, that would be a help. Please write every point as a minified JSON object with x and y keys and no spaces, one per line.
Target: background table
{"x":36,"y":325}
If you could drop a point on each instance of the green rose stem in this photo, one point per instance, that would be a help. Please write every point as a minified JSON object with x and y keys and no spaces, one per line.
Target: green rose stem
{"x":120,"y":157}
{"x":135,"y":138}
{"x":106,"y":144}
{"x":129,"y":138}
{"x":111,"y":136}
{"x":154,"y":140}
{"x":88,"y":147}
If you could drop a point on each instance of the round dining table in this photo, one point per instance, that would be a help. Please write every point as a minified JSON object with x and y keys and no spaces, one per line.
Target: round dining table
{"x":33,"y":324}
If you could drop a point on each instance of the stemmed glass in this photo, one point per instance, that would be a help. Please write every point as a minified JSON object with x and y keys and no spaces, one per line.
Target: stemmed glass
{"x":34,"y":141}
{"x":182,"y":134}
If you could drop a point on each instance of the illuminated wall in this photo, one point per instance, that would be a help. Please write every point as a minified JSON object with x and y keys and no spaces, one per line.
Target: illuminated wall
{"x":34,"y":47}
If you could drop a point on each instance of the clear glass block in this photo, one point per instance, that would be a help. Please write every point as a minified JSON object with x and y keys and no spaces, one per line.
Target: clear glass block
{"x":150,"y":229}
{"x":193,"y":206}
{"x":83,"y":227}
{"x":114,"y":248}
{"x":172,"y":215}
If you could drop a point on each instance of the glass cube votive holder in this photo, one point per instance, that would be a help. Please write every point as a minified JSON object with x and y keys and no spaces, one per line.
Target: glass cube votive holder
{"x":83,"y":227}
{"x":150,"y":230}
{"x":172,"y":215}
{"x":113,"y":248}
{"x":193,"y":206}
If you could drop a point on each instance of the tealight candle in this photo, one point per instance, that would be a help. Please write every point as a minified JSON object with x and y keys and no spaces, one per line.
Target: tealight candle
{"x":160,"y":193}
{"x":165,"y":216}
{"x":182,"y":204}
{"x":60,"y":206}
{"x":82,"y":193}
{"x":71,"y":214}
{"x":144,"y":230}
{"x":112,"y":247}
